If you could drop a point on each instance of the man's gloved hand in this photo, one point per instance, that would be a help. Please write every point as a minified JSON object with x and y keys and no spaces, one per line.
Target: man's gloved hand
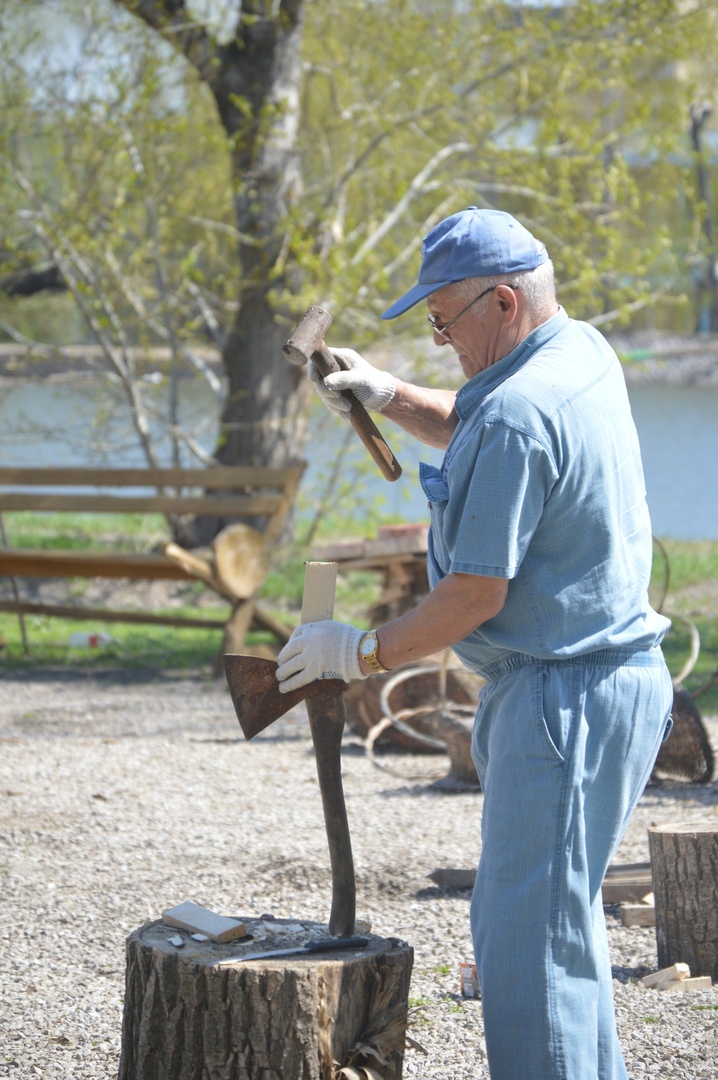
{"x":320,"y":650}
{"x":373,"y":388}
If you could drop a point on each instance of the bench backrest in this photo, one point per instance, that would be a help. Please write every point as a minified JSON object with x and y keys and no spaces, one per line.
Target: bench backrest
{"x":226,"y":491}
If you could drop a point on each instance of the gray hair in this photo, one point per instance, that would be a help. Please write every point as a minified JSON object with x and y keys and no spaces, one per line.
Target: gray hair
{"x":536,"y":286}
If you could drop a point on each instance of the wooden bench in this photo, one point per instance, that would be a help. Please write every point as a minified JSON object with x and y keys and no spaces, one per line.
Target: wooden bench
{"x":234,"y":567}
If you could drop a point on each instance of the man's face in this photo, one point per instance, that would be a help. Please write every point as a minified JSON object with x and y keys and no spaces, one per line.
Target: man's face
{"x":478,"y":337}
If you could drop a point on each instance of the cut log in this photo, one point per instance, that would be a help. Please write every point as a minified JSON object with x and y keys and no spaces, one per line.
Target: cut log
{"x":195,"y":566}
{"x":240,"y":560}
{"x":684,"y":861}
{"x":274,"y":1019}
{"x":236,"y":565}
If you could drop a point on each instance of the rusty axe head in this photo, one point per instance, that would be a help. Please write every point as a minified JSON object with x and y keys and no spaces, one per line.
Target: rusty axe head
{"x":255,"y":692}
{"x":308,"y":336}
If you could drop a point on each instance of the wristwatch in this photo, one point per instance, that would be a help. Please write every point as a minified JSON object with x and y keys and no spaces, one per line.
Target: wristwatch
{"x":369,"y":651}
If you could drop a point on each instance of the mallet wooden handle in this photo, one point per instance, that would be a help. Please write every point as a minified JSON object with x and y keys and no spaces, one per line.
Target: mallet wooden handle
{"x":360,"y":419}
{"x":307,"y":343}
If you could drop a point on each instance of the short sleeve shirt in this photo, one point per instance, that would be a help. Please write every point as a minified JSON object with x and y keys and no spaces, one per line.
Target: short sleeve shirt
{"x":542,"y":484}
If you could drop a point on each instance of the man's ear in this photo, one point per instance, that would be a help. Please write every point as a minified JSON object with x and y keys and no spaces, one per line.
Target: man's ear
{"x":507,"y":298}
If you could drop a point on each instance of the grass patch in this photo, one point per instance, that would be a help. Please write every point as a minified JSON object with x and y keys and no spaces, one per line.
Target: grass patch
{"x":135,"y":644}
{"x":690,"y":562}
{"x":131,"y":645}
{"x":86,"y":532}
{"x":692,"y":592}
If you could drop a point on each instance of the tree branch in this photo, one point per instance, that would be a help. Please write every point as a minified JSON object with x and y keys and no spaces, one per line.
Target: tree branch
{"x":32,"y":280}
{"x":417,"y":185}
{"x":172,"y":20}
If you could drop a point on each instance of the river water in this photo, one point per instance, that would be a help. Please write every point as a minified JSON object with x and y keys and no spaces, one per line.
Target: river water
{"x":76,"y":421}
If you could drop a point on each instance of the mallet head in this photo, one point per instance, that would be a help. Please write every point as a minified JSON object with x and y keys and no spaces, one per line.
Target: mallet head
{"x":308,"y":336}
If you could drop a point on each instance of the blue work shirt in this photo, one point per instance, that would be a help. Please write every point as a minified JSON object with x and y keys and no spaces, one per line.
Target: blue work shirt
{"x":542,"y":484}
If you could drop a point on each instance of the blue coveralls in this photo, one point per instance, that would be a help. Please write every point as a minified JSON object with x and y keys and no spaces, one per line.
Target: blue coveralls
{"x":542,"y":484}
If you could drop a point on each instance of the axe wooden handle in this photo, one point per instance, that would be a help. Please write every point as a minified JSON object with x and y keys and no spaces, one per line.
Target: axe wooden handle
{"x":327,"y":716}
{"x":360,"y":419}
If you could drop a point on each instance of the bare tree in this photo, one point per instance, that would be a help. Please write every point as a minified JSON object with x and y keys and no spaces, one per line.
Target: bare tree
{"x":254,"y":79}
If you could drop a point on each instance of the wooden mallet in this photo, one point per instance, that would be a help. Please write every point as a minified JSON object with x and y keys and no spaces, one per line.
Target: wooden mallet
{"x":307,"y":343}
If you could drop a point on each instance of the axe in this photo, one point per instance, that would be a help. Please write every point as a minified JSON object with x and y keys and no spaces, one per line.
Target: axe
{"x":258,"y":702}
{"x":307,"y":343}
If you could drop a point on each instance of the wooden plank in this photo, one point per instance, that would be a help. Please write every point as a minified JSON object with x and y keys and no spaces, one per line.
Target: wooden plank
{"x":379,"y":551}
{"x":665,"y":975}
{"x":623,"y":882}
{"x":684,"y":986}
{"x":220,"y":505}
{"x":449,"y":877}
{"x":320,"y":580}
{"x":221,"y":476}
{"x":15,"y":562}
{"x":338,"y":551}
{"x":638,"y":915}
{"x":379,"y":562}
{"x":623,"y":871}
{"x":391,"y":546}
{"x":627,"y":883}
{"x":275,"y":525}
{"x":105,"y":615}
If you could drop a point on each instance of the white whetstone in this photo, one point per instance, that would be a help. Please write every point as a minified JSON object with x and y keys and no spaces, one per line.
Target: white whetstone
{"x":320,"y":583}
{"x":200,"y":920}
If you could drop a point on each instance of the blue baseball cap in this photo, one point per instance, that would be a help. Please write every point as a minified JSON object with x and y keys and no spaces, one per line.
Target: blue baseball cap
{"x":472,"y":243}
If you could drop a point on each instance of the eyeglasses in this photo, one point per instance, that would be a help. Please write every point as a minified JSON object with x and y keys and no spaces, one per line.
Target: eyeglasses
{"x":441,"y":330}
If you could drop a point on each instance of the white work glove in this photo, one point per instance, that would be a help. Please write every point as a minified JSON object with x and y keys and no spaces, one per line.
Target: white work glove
{"x":320,"y":650}
{"x":372,"y":387}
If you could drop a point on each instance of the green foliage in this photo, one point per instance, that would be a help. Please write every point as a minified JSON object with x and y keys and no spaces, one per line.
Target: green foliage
{"x":103,"y":173}
{"x":577,"y":123}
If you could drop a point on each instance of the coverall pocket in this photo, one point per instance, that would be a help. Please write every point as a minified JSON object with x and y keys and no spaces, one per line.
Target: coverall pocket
{"x":479,"y":737}
{"x":554,"y":694}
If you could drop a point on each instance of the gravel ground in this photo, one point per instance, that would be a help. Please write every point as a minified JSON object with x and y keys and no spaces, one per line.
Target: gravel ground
{"x":122,"y":795}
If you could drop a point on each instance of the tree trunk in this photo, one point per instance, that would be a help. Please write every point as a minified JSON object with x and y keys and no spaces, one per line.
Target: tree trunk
{"x":264,"y":416}
{"x":287,"y":1018}
{"x":257,"y":95}
{"x":255,"y":79}
{"x":684,"y":863}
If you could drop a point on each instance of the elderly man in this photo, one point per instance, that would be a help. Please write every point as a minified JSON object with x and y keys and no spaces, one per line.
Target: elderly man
{"x":539,"y":560}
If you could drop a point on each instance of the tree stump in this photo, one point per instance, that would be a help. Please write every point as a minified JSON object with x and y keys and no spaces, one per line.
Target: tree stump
{"x":283,"y":1018}
{"x":684,"y":864}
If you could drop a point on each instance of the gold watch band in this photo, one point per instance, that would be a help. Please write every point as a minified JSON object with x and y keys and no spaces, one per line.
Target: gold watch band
{"x":372,"y":655}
